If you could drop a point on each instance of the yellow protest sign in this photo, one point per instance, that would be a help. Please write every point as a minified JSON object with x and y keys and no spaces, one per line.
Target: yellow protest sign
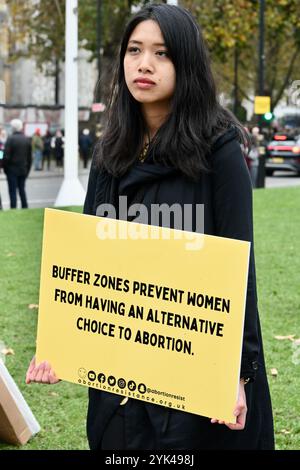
{"x":262,"y":104}
{"x":146,"y":312}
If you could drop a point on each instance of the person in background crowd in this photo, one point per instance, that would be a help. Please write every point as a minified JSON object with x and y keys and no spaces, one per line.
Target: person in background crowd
{"x":37,"y":150}
{"x":59,"y":148}
{"x":85,"y":145}
{"x":17,"y":163}
{"x":253,"y":155}
{"x":47,"y":150}
{"x":3,"y":138}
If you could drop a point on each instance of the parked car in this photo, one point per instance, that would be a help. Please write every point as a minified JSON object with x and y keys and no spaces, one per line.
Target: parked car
{"x":283,"y":153}
{"x":290,"y":120}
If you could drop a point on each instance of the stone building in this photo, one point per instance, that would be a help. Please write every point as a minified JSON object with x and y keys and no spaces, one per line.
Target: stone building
{"x":29,"y":94}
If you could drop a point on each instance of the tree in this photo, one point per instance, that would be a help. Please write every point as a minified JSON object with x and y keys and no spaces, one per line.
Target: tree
{"x":38,"y":31}
{"x":228,"y":43}
{"x":231,"y":29}
{"x":283,"y":47}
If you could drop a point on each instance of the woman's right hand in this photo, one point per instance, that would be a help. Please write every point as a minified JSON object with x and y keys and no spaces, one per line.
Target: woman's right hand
{"x":41,"y":373}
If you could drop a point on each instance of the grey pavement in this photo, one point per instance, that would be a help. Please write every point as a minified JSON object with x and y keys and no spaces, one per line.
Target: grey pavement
{"x":42,"y":186}
{"x":283,"y":179}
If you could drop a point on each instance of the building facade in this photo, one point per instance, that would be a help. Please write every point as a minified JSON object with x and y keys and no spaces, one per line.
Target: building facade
{"x":28,"y":93}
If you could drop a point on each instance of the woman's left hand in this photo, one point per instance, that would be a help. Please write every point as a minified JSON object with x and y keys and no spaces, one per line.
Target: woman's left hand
{"x":240,"y":411}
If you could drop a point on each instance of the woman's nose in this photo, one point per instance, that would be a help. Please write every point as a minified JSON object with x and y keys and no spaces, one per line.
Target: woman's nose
{"x":145,"y":63}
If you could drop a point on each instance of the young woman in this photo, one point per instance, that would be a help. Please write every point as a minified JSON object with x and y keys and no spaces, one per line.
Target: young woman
{"x":168,"y":140}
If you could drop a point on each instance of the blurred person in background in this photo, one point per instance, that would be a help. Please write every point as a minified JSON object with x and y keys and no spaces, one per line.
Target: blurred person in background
{"x":3,"y":138}
{"x":85,"y":145}
{"x":37,"y":149}
{"x":59,"y":148}
{"x":253,"y":155}
{"x":16,"y":163}
{"x":47,"y":150}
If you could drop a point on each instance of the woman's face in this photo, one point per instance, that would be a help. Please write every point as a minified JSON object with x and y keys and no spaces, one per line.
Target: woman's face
{"x":146,"y":58}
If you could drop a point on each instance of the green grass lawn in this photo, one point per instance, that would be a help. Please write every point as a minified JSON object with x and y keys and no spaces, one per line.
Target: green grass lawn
{"x":61,"y":409}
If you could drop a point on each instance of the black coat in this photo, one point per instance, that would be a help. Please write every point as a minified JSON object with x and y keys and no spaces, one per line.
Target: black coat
{"x":226,"y":193}
{"x":17,"y":155}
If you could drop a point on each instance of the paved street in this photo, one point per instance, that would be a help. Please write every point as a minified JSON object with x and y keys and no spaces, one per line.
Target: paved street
{"x":43,"y":186}
{"x":282,"y":179}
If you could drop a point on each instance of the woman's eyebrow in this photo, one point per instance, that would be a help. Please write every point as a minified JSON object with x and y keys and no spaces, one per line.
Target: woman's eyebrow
{"x":154,"y":44}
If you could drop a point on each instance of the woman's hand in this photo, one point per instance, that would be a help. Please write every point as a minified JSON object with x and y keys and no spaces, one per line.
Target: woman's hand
{"x":240,"y":411}
{"x":41,"y":373}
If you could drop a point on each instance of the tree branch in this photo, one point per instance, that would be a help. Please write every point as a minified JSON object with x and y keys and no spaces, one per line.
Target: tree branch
{"x":59,"y":11}
{"x":241,"y":91}
{"x":288,"y":76}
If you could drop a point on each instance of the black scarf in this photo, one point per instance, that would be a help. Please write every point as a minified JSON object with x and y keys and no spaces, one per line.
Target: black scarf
{"x":139,"y":184}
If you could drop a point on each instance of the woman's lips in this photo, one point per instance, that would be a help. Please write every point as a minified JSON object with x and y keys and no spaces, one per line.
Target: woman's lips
{"x":144,"y":85}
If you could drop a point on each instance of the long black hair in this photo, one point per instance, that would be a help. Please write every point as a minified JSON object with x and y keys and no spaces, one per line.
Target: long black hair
{"x":196,"y":118}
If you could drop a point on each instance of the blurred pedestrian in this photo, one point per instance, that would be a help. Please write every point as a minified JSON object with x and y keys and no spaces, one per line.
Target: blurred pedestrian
{"x":59,"y":148}
{"x":47,"y":150}
{"x":85,"y":145}
{"x":17,"y":162}
{"x":37,"y":150}
{"x":253,"y":155}
{"x":3,"y":138}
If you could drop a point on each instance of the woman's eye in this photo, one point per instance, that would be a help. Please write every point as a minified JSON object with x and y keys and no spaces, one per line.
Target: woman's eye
{"x":136,"y":49}
{"x":133,"y":49}
{"x":163,"y":52}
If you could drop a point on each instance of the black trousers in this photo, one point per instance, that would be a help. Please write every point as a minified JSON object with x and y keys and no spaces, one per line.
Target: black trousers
{"x":114,"y":435}
{"x":14,"y":183}
{"x":46,"y":158}
{"x":144,"y":426}
{"x":85,"y":157}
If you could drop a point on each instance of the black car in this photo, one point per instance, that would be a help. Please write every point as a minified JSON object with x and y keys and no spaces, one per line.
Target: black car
{"x":283,"y":153}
